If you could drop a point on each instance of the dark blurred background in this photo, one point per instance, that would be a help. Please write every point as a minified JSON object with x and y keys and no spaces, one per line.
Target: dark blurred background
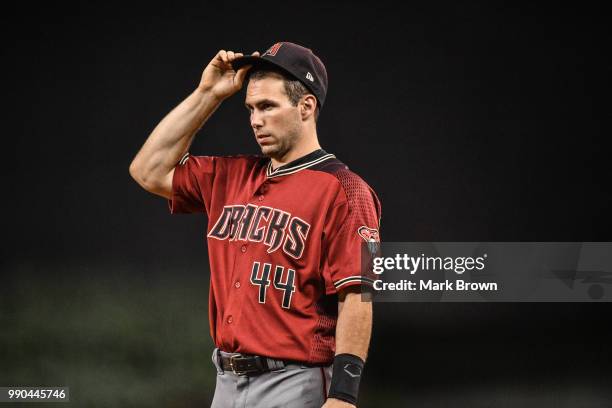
{"x":472,"y":123}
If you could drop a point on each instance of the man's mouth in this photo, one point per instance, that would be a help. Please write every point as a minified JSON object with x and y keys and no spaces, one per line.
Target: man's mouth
{"x":263,"y":138}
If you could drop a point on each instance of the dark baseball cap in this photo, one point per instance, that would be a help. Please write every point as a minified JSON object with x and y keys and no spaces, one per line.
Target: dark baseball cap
{"x":297,"y":61}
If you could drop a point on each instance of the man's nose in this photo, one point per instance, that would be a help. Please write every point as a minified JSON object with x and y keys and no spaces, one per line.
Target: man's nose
{"x":256,"y":121}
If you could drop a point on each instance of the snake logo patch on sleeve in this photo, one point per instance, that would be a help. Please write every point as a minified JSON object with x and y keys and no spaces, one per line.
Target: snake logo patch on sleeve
{"x":368,"y":234}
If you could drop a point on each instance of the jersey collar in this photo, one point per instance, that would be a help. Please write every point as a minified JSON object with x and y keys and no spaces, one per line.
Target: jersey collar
{"x":304,"y":162}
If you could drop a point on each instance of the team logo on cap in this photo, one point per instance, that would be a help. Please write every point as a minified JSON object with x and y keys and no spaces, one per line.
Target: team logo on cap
{"x":309,"y":77}
{"x":273,"y":50}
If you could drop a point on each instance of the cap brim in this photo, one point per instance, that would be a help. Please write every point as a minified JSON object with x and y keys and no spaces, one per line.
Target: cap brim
{"x":257,"y":62}
{"x":247,"y":60}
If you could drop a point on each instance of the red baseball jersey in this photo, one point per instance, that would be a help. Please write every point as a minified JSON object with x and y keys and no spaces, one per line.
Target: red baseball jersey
{"x":282,"y":242}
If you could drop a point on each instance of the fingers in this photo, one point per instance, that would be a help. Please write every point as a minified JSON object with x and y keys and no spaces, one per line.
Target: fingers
{"x":241,"y":74}
{"x":222,"y":55}
{"x":227,"y":57}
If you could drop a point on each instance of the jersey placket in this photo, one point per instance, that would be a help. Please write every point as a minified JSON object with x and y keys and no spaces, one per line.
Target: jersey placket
{"x":244,"y":255}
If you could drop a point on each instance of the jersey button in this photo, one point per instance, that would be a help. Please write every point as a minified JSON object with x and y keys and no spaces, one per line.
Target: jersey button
{"x":261,"y":198}
{"x":243,"y":248}
{"x":230,"y":319}
{"x":237,"y":284}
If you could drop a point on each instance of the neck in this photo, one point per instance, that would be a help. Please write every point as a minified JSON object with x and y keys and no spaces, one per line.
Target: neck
{"x":300,"y":150}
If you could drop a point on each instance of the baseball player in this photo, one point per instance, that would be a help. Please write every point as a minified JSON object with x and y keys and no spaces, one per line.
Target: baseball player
{"x":285,"y":231}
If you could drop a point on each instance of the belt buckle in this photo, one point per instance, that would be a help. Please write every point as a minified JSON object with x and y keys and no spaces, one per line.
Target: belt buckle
{"x":233,"y":367}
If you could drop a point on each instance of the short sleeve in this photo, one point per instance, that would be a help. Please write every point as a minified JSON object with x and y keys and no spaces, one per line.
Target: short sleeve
{"x":192,"y":184}
{"x":353,"y":221}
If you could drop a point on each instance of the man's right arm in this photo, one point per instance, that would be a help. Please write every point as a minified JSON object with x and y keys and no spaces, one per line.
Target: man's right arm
{"x":153,"y":166}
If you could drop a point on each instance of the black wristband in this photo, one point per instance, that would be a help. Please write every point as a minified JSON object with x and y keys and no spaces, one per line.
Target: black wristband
{"x":345,"y":378}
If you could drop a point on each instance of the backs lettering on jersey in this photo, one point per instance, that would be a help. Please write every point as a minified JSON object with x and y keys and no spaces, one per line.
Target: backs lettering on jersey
{"x":273,"y":227}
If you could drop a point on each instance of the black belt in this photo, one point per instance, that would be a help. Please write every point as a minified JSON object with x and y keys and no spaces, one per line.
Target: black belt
{"x":244,"y":364}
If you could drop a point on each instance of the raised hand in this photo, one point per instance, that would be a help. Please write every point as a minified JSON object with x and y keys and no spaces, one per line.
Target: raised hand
{"x":219,"y":76}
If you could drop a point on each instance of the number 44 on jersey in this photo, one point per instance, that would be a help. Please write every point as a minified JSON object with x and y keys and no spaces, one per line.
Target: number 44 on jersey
{"x":260,"y":276}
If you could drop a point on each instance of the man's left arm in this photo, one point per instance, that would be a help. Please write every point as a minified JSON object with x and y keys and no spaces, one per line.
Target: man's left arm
{"x":353,"y":332}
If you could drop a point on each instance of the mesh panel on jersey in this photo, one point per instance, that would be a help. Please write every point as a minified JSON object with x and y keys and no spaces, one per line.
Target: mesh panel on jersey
{"x":363,"y":209}
{"x":324,"y":342}
{"x":360,"y":199}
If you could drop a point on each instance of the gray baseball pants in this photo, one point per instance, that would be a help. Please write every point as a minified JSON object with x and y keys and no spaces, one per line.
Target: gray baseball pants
{"x":294,"y":386}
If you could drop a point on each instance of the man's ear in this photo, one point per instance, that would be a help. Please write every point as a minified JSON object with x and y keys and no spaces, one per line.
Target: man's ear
{"x":308,"y":106}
